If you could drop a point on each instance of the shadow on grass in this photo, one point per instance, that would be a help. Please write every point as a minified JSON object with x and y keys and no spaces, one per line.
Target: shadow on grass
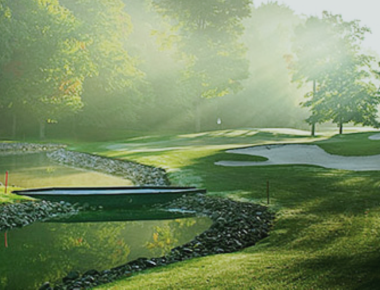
{"x":326,"y":218}
{"x":337,"y":272}
{"x":325,"y":211}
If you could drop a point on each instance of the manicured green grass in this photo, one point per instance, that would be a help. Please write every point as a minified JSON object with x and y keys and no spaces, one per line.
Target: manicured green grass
{"x":327,"y":229}
{"x":351,"y":144}
{"x":9,"y":197}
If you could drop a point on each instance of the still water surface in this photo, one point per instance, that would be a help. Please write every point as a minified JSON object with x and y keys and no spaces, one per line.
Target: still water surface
{"x":47,"y":251}
{"x":37,"y":170}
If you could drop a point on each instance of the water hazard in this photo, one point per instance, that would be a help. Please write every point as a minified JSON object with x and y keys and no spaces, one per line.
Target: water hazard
{"x":48,"y":251}
{"x":37,"y":170}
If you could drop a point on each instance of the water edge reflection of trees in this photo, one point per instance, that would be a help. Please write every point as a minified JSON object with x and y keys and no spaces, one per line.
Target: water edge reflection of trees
{"x":48,"y":251}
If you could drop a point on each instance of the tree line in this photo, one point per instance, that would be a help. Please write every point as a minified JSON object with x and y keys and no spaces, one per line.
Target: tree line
{"x":79,"y":67}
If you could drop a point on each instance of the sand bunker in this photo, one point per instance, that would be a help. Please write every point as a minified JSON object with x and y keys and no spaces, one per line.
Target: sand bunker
{"x":292,"y":154}
{"x":285,"y":131}
{"x":374,"y":137}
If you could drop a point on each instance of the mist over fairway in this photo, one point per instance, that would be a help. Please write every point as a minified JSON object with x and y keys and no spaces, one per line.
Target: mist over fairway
{"x":72,"y":69}
{"x":180,"y":85}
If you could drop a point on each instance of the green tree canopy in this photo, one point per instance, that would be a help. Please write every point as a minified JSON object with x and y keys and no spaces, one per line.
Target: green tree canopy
{"x":47,"y":61}
{"x":59,"y":55}
{"x":327,"y":53}
{"x":112,"y":90}
{"x":208,"y":39}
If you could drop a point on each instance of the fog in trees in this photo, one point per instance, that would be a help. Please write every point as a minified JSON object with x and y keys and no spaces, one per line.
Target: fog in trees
{"x":91,"y":69}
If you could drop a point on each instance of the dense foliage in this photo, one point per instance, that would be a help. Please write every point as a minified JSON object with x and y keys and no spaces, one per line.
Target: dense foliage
{"x":81,"y":68}
{"x":44,"y":62}
{"x":327,"y":53}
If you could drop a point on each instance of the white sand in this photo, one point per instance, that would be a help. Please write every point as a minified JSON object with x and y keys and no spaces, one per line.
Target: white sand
{"x":374,"y":137}
{"x":305,"y":155}
{"x":287,"y":131}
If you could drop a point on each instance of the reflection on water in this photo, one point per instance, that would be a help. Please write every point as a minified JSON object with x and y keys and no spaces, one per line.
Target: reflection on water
{"x":48,"y":251}
{"x":37,"y":170}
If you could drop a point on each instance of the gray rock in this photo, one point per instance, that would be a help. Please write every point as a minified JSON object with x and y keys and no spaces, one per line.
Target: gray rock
{"x":91,"y":272}
{"x":139,"y":174}
{"x":45,"y":286}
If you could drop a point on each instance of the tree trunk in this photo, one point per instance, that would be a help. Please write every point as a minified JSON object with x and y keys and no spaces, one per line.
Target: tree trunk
{"x":313,"y":129}
{"x":340,"y":128}
{"x":42,"y":129}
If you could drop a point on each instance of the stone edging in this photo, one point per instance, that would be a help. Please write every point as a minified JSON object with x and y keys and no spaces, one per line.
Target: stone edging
{"x":24,"y":213}
{"x":236,"y":225}
{"x":17,"y":148}
{"x":138,"y":173}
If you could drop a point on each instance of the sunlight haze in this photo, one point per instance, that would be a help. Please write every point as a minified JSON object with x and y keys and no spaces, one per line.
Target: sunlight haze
{"x":365,"y":10}
{"x":153,"y":144}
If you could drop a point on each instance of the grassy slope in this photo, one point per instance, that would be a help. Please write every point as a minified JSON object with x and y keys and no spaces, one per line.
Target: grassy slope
{"x":10,"y":198}
{"x":327,"y":231}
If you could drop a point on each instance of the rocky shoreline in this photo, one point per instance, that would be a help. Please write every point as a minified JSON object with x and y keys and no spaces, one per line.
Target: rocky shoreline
{"x":22,"y":214}
{"x":236,"y":225}
{"x":23,"y":148}
{"x":138,"y":173}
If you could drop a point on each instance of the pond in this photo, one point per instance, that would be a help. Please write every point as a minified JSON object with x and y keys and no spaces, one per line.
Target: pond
{"x":48,"y":251}
{"x":37,"y":170}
